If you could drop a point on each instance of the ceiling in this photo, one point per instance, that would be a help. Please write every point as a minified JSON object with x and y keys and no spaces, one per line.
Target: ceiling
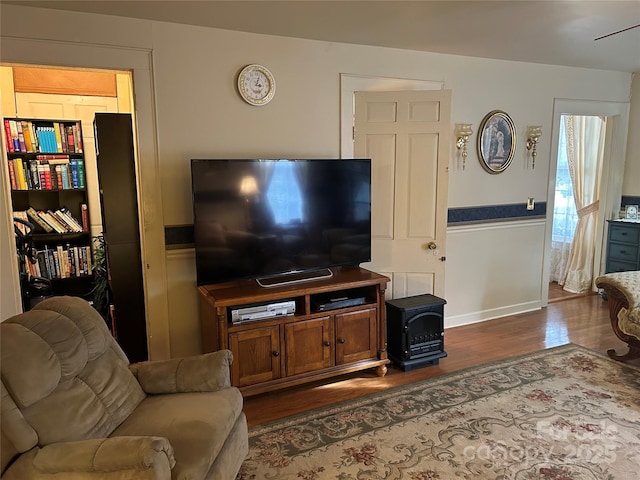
{"x":558,"y":32}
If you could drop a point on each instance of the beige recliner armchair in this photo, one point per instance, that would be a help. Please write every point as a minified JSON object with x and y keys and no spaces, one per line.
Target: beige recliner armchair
{"x":73,"y":407}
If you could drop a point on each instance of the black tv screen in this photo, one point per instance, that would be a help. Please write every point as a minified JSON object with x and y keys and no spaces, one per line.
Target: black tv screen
{"x":262,"y":218}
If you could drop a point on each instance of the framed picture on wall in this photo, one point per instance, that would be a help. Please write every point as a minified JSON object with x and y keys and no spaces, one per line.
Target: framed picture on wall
{"x":631,"y":212}
{"x":496,"y":142}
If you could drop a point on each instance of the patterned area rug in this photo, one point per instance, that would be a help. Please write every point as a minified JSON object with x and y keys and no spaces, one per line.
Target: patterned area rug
{"x":561,"y":414}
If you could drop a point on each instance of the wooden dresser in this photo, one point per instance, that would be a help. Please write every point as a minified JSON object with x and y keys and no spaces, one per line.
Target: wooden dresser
{"x":623,"y":246}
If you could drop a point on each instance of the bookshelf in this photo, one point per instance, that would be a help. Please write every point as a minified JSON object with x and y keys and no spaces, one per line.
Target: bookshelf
{"x":46,"y":167}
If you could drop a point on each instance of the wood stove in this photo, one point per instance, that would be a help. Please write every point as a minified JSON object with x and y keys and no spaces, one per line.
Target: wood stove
{"x":415,"y":331}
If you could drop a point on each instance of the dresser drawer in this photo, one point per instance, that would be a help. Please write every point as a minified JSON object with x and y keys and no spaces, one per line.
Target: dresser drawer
{"x":618,"y":233}
{"x":621,"y":251}
{"x":614,"y":266}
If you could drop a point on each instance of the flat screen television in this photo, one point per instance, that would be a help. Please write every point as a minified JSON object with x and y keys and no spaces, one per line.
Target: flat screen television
{"x":267,"y":219}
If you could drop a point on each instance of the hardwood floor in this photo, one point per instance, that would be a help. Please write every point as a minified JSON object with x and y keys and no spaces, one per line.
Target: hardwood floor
{"x":557,"y":294}
{"x":582,"y":320}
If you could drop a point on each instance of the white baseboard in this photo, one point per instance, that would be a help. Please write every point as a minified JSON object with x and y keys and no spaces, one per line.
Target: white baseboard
{"x":484,"y":315}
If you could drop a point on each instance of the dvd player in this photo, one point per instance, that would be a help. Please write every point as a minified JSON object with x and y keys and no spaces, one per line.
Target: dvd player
{"x":258,"y":312}
{"x":331,"y":302}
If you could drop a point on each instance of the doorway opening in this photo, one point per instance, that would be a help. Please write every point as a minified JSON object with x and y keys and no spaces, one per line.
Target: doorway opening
{"x":578,"y":187}
{"x":71,"y":94}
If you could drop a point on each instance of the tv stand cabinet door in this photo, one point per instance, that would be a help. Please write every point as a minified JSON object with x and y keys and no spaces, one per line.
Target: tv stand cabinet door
{"x":356,"y":335}
{"x":256,"y":355}
{"x":310,"y":345}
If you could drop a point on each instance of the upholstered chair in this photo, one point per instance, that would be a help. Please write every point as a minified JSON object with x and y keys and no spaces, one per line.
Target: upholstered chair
{"x":74,"y":408}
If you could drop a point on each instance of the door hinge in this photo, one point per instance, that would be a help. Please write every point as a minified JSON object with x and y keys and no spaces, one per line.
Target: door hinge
{"x":353,"y":133}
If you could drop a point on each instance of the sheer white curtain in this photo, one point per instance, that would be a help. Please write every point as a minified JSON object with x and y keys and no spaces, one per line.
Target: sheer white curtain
{"x":585,"y":146}
{"x":565,"y":217}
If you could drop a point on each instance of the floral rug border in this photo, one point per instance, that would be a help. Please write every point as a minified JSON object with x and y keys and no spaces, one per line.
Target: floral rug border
{"x":564,"y":413}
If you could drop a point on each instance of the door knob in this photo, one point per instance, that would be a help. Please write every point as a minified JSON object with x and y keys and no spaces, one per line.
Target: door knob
{"x":276,"y":354}
{"x":327,"y":343}
{"x":341,"y":340}
{"x":431,"y":246}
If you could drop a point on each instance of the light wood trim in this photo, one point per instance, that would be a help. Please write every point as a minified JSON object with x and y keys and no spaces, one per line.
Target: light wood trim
{"x":6,"y":92}
{"x":125,"y":100}
{"x":65,"y":82}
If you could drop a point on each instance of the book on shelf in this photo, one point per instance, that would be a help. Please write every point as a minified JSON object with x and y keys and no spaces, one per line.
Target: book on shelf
{"x":80,"y":168}
{"x":43,"y":136}
{"x":78,"y":227}
{"x":77,"y":134}
{"x":35,"y":175}
{"x":63,"y":138}
{"x":20,"y":174}
{"x":33,"y":266}
{"x":56,"y":264}
{"x":58,"y":175}
{"x":62,"y":261}
{"x":58,"y":137}
{"x":42,"y":175}
{"x":12,"y":175}
{"x":22,"y":215}
{"x":33,"y":216}
{"x":74,"y":173}
{"x":27,"y":133}
{"x":46,"y":172}
{"x":8,"y":138}
{"x":60,"y":221}
{"x":66,"y":183}
{"x":85,"y":217}
{"x":50,"y":219}
{"x":13,"y":128}
{"x":64,"y":215}
{"x":23,"y":147}
{"x":70,"y":139}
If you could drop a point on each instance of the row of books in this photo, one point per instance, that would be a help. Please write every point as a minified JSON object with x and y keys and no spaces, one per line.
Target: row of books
{"x":61,"y":262}
{"x":58,"y":221}
{"x":24,"y":136}
{"x":47,"y":172}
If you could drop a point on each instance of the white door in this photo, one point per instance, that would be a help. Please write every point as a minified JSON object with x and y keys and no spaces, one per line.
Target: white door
{"x":73,"y":107}
{"x":406,"y":134}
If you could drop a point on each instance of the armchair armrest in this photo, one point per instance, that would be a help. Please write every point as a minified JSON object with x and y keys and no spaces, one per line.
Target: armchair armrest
{"x":200,"y":373}
{"x":103,"y":458}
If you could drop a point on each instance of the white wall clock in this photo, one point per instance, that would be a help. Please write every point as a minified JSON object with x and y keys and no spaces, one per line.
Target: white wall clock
{"x":256,"y":85}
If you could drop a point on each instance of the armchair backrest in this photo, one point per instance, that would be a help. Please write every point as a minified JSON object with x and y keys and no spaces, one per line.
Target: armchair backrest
{"x":64,"y":377}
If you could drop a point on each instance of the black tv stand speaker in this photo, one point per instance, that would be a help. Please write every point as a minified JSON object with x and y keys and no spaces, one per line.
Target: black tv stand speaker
{"x":415,"y":331}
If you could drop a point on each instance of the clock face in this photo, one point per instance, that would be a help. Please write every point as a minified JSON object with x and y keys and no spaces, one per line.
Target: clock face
{"x":256,"y":85}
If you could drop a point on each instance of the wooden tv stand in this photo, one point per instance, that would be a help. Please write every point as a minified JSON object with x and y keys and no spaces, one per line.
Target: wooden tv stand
{"x":312,"y":344}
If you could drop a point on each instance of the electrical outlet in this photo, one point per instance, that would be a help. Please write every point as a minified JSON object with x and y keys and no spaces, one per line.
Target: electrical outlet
{"x":530,"y":203}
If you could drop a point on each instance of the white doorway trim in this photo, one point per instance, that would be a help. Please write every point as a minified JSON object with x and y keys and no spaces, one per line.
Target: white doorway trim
{"x":350,"y":83}
{"x":617,"y":114}
{"x":139,"y":62}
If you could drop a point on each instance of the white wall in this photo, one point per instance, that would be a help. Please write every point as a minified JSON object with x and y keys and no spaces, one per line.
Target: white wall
{"x":198,"y":113}
{"x":631,"y":184}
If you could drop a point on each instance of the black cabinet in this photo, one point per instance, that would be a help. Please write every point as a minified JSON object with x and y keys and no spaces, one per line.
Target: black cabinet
{"x":121,"y":229}
{"x":415,"y":331}
{"x":623,"y":246}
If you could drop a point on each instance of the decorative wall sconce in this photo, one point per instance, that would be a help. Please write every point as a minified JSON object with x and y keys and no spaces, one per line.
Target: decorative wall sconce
{"x":533,"y":134}
{"x":463,"y":132}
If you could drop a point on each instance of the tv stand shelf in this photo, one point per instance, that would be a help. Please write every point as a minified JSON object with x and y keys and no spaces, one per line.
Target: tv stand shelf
{"x":319,"y":341}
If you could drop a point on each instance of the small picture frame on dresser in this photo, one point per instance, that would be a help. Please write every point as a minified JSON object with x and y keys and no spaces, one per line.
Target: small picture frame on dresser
{"x":631,"y":212}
